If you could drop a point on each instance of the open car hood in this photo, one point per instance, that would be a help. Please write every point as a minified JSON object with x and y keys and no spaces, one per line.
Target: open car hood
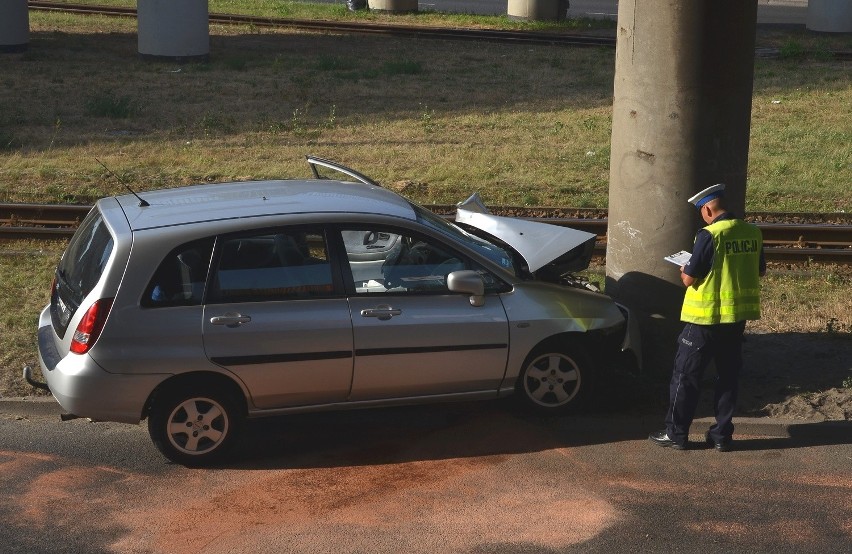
{"x":548,"y":250}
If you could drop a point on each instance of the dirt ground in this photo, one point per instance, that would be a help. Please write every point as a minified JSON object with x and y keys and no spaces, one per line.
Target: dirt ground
{"x":787,"y":376}
{"x":797,"y":376}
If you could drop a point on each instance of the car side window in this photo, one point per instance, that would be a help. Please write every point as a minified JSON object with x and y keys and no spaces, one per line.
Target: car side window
{"x":180,"y":278}
{"x":284,"y":265}
{"x":386,"y":262}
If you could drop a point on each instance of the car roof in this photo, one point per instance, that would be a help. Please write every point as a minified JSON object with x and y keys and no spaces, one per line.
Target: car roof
{"x":198,"y":203}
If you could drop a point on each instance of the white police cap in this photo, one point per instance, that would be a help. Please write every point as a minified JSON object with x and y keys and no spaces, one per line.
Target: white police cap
{"x":707,"y":195}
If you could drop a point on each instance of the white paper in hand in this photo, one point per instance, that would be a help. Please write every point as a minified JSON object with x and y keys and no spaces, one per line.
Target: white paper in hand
{"x":680,"y":259}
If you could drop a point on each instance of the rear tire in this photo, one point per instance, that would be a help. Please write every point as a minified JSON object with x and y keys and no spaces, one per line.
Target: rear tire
{"x":556,"y":377}
{"x":194,"y":426}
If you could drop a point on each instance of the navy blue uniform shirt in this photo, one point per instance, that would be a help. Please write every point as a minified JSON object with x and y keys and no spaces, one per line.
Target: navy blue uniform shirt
{"x":701,"y":262}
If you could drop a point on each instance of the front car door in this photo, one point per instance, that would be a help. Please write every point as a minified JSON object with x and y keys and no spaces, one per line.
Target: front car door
{"x":413,"y":337}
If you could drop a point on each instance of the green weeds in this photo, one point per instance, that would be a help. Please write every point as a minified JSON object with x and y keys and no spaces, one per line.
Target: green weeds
{"x":109,"y":104}
{"x":792,"y":50}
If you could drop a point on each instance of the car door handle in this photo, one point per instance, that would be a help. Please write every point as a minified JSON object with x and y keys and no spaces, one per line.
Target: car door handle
{"x":382,"y":312}
{"x":230,"y":319}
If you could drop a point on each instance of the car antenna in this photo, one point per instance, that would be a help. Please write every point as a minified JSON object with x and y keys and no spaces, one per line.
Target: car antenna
{"x":142,"y":202}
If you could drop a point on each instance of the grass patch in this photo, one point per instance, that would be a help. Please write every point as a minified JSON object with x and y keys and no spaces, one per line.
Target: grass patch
{"x":403,"y":67}
{"x":816,"y":302}
{"x":520,"y":124}
{"x":792,"y":50}
{"x":109,"y":104}
{"x":26,"y":269}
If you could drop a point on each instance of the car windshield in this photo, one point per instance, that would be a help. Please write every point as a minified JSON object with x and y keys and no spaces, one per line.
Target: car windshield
{"x":491,"y":251}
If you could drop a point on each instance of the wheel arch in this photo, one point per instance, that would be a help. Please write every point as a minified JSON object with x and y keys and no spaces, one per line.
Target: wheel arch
{"x":196,"y":379}
{"x":587,"y":341}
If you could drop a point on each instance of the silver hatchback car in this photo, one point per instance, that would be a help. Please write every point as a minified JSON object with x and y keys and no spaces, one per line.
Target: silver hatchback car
{"x":201,"y":306}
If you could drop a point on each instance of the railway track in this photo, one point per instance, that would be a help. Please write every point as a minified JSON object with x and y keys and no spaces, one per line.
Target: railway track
{"x":492,"y":35}
{"x":352,"y":27}
{"x":785,"y":242}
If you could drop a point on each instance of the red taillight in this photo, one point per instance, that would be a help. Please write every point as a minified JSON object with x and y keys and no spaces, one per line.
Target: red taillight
{"x":90,"y":326}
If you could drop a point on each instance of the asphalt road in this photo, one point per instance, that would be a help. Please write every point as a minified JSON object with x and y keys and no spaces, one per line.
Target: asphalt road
{"x":474,"y":478}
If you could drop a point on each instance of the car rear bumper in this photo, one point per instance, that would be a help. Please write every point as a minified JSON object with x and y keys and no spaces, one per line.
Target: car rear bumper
{"x":84,"y":389}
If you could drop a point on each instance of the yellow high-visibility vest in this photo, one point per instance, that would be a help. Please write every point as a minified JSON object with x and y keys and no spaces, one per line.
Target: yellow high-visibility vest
{"x":731,"y":291}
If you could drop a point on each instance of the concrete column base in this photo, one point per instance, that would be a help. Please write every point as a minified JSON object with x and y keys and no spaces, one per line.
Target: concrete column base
{"x":173,"y":31}
{"x":537,"y":10}
{"x":829,"y":16}
{"x":14,"y":26}
{"x":393,"y":6}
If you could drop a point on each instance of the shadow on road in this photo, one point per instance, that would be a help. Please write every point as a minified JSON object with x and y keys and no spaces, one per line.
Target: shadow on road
{"x":451,"y":431}
{"x":414,"y":433}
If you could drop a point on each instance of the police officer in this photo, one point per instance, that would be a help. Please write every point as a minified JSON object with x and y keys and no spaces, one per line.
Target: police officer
{"x":722,"y":293}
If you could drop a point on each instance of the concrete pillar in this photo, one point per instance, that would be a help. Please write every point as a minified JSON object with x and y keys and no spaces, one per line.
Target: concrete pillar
{"x":537,"y":10}
{"x":393,"y":6}
{"x":830,"y":16}
{"x":681,"y":120}
{"x":173,"y":30}
{"x":14,"y":25}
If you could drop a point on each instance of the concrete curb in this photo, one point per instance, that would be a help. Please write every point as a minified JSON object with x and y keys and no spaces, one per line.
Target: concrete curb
{"x":840,"y":431}
{"x":30,"y":406}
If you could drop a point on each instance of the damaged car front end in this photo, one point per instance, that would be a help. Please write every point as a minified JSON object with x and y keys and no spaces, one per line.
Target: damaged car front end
{"x":554,"y":255}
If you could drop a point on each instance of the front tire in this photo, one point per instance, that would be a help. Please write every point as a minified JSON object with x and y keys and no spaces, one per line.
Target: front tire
{"x":556,"y":377}
{"x":194,"y":426}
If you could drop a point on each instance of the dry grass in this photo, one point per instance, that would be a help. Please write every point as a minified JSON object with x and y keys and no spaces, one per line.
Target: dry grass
{"x":814,"y":302}
{"x":26,"y":269}
{"x":521,"y":124}
{"x":437,"y":112}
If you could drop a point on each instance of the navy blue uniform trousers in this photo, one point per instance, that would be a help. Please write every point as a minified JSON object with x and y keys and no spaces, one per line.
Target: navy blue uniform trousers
{"x":697,"y":346}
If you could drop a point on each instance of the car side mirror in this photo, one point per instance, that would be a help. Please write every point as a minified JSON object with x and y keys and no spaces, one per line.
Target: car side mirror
{"x":468,"y":282}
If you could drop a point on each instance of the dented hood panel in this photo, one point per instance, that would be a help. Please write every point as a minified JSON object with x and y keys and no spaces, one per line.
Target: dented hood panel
{"x":540,"y":244}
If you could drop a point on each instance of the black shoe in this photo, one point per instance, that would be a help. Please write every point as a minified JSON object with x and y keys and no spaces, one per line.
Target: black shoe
{"x":724,"y":445}
{"x":661,"y":438}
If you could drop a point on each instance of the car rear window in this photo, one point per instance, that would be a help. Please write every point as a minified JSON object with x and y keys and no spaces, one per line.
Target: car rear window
{"x":80,"y":269}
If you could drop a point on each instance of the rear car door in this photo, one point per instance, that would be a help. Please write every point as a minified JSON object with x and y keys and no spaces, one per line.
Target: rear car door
{"x":413,"y":337}
{"x":276,"y":316}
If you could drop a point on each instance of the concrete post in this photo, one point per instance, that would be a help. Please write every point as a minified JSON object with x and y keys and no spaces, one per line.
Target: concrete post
{"x":681,"y":119}
{"x":14,"y":25}
{"x":171,"y":30}
{"x":393,"y":6}
{"x":830,"y":16}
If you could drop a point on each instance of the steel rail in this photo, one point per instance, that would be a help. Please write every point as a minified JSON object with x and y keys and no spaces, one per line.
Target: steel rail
{"x":451,"y":33}
{"x":823,"y":242}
